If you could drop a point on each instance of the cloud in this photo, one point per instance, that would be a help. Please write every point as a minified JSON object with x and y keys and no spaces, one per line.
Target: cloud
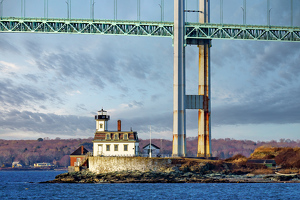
{"x":32,"y":77}
{"x":81,"y":107}
{"x":6,"y":46}
{"x":45,"y":123}
{"x":276,"y":56}
{"x":155,"y":97}
{"x":269,"y":108}
{"x":108,"y":66}
{"x":160,"y":122}
{"x":256,"y":82}
{"x":135,"y":104}
{"x":13,"y":95}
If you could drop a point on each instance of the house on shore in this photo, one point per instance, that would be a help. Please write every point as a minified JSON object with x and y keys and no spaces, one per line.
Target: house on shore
{"x":113,"y":143}
{"x":106,"y":144}
{"x":42,"y":164}
{"x":16,"y":164}
{"x":155,"y":150}
{"x":78,"y":156}
{"x":79,"y":159}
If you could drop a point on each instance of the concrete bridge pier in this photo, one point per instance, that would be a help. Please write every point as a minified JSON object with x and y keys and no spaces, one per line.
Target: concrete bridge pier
{"x":179,"y":134}
{"x":204,"y":89}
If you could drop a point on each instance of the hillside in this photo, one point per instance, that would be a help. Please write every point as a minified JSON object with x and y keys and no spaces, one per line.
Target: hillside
{"x":287,"y":157}
{"x":222,"y":148}
{"x":57,"y":151}
{"x":29,"y":152}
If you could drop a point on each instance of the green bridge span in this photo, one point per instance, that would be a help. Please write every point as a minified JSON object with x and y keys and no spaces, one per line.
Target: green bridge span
{"x":194,"y":32}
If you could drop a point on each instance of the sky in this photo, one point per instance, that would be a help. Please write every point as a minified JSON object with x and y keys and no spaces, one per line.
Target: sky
{"x":52,"y":85}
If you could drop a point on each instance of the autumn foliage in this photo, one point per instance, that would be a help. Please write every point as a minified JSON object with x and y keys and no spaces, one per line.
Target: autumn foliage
{"x":57,"y":151}
{"x":287,"y":157}
{"x":28,"y":152}
{"x":222,"y":148}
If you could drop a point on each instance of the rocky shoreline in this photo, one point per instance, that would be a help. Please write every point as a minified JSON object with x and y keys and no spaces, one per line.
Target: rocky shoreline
{"x":174,"y":175}
{"x":160,"y":177}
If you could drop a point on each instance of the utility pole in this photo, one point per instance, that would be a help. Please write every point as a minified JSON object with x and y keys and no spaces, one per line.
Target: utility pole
{"x":68,"y":12}
{"x":221,"y":11}
{"x":268,"y":12}
{"x":46,"y":9}
{"x":138,"y":10}
{"x":150,"y":151}
{"x":115,"y":9}
{"x":292,"y":13}
{"x":92,"y":9}
{"x":23,"y":8}
{"x":161,"y":5}
{"x":1,"y":8}
{"x":244,"y":12}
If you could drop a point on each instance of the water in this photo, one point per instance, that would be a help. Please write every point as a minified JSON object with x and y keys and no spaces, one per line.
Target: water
{"x":24,"y":185}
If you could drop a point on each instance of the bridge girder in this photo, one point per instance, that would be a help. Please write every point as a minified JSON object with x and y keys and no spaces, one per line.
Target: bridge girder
{"x":194,"y":32}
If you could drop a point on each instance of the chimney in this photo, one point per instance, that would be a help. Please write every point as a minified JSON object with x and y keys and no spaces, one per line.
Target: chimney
{"x":81,"y":150}
{"x":119,"y":125}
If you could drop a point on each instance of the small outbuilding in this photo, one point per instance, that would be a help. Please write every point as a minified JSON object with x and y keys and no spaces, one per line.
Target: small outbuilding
{"x":42,"y":165}
{"x":16,"y":164}
{"x":155,"y":150}
{"x":79,"y":157}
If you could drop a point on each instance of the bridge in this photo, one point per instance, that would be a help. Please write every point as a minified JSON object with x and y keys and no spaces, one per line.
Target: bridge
{"x":183,"y":33}
{"x":193,"y":31}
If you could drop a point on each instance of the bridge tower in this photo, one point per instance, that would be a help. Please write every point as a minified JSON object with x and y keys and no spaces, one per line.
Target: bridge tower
{"x":179,"y":134}
{"x":182,"y":101}
{"x":204,"y":119}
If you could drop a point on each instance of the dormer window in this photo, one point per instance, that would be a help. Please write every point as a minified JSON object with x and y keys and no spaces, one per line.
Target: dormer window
{"x":125,"y":136}
{"x":107,"y":136}
{"x":116,"y":136}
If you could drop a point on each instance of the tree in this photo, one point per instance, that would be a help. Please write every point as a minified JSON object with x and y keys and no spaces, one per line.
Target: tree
{"x":64,"y":161}
{"x":40,"y":140}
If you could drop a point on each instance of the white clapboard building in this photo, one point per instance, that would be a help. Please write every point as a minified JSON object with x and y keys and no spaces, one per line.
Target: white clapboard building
{"x":113,"y":143}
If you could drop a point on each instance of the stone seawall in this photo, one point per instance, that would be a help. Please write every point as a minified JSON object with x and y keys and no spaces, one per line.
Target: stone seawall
{"x":143,"y":164}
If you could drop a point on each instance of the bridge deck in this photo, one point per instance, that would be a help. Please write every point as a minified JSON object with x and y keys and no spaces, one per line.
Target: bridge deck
{"x":194,"y":31}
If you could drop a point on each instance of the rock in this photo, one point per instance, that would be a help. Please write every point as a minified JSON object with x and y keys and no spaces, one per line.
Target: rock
{"x":201,"y":168}
{"x":284,"y":178}
{"x":185,"y":172}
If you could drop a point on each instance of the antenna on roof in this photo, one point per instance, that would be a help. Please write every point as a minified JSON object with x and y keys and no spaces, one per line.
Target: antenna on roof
{"x":150,"y":152}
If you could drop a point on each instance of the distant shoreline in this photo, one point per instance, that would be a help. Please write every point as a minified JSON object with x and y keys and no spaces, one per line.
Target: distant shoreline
{"x":32,"y":169}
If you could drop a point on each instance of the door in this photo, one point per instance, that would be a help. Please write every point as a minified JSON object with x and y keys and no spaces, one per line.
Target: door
{"x":100,"y":149}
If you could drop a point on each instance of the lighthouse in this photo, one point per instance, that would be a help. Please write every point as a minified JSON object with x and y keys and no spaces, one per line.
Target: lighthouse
{"x":113,"y":143}
{"x":101,"y":120}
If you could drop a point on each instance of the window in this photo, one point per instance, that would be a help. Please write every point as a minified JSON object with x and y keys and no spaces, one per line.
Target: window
{"x":107,"y":136}
{"x":107,"y":147}
{"x":116,"y":147}
{"x":125,"y":136}
{"x":101,"y":125}
{"x":125,"y":147}
{"x":116,"y":136}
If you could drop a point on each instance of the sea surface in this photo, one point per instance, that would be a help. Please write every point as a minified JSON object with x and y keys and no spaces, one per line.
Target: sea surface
{"x":25,"y":185}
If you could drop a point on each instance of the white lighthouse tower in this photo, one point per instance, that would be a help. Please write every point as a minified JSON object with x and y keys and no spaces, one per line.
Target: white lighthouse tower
{"x":101,"y":120}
